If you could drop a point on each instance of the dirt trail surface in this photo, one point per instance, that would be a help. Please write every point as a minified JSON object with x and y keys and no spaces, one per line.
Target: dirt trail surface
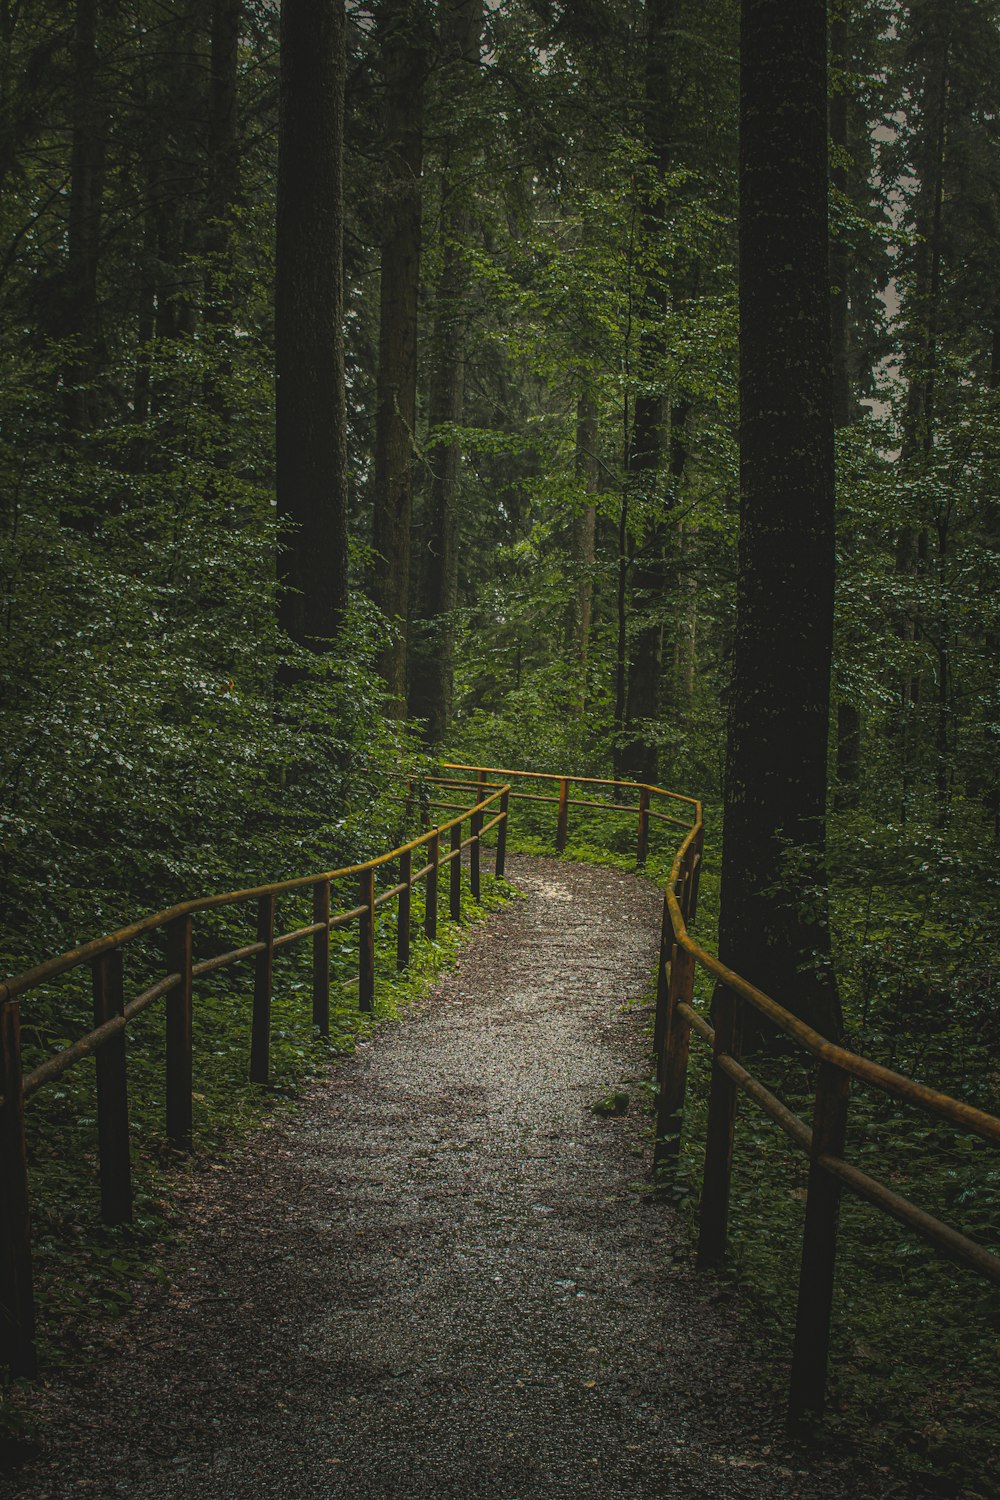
{"x":442,"y":1280}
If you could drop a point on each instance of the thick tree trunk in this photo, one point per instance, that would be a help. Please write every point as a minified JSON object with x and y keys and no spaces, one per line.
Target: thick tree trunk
{"x":309,"y":338}
{"x":404,"y":63}
{"x":774,"y":926}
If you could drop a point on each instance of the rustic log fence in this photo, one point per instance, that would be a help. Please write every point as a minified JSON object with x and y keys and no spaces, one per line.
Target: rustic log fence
{"x":113,"y":1013}
{"x":676,"y":1020}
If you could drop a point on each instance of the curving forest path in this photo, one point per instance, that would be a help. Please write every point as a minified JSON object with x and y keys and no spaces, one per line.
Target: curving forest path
{"x":442,"y":1279}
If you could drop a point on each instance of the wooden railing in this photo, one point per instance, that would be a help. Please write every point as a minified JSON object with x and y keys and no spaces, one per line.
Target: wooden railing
{"x":113,"y":1013}
{"x":823,"y":1142}
{"x":675,"y":1020}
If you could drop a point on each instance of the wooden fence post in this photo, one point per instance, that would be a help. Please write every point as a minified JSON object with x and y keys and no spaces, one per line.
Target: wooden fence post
{"x":501,"y":855}
{"x":662,"y":989}
{"x":562,"y":820}
{"x":476,"y":829}
{"x":670,"y":1100}
{"x":321,"y":957}
{"x":431,"y":893}
{"x":714,"y":1216}
{"x":112,"y":1092}
{"x":17,"y":1301}
{"x":642,"y":836}
{"x":819,"y":1247}
{"x":403,"y":910}
{"x":455,"y":874}
{"x":260,"y":1034}
{"x":180,"y":938}
{"x":366,"y":942}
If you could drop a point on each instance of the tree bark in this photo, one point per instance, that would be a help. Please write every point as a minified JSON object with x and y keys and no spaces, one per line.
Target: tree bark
{"x":432,"y":642}
{"x":309,"y":339}
{"x":404,"y":64}
{"x":84,"y":229}
{"x":584,"y":538}
{"x":848,"y":718}
{"x":223,"y":192}
{"x":920,"y":352}
{"x":774,"y":926}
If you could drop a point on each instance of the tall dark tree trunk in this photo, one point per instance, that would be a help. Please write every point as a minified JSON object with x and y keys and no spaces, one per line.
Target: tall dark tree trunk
{"x":222,"y":195}
{"x":83,"y":248}
{"x":404,"y":63}
{"x":774,"y":926}
{"x":178,"y":175}
{"x":309,"y":337}
{"x":432,"y":638}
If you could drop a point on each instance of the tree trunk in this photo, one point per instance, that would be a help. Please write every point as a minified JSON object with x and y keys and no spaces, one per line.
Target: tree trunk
{"x":177,"y":177}
{"x":404,"y":64}
{"x":649,"y":578}
{"x":432,"y":643}
{"x":84,"y":230}
{"x":223,"y":191}
{"x":309,"y":338}
{"x":920,"y":354}
{"x":774,"y":927}
{"x":584,"y":539}
{"x":848,"y":718}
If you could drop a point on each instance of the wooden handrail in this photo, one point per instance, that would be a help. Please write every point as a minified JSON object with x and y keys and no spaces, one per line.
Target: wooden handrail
{"x":106,"y":1041}
{"x":676,"y":1019}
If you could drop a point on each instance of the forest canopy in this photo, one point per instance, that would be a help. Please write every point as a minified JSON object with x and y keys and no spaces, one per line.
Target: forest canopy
{"x":531,"y":503}
{"x":380,"y":383}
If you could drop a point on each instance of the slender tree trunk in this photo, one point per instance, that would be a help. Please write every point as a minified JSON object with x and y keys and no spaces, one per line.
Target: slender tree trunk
{"x":920,"y":350}
{"x":404,"y":64}
{"x":309,"y":337}
{"x":223,"y":192}
{"x":848,"y":720}
{"x":177,"y":177}
{"x":774,"y":925}
{"x":84,"y":234}
{"x":649,"y":428}
{"x":432,"y":637}
{"x":584,"y":538}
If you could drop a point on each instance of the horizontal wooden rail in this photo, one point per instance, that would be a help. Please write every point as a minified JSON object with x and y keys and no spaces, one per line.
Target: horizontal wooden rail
{"x":112,"y":1015}
{"x":823,"y":1143}
{"x":676,"y":1020}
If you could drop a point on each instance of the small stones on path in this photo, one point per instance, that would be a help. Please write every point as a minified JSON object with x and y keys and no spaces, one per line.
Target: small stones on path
{"x":440,"y":1281}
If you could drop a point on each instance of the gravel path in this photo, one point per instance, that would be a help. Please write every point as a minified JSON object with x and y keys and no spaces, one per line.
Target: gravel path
{"x":442,"y":1280}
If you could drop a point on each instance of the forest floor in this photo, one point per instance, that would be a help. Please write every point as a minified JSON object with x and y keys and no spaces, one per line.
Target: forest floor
{"x":444,"y":1276}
